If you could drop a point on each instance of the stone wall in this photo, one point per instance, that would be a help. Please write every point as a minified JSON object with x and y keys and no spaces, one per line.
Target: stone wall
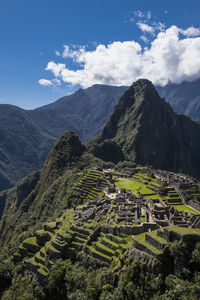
{"x":154,"y":242}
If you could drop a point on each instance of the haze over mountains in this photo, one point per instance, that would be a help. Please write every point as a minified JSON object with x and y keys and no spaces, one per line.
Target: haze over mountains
{"x":27,"y":136}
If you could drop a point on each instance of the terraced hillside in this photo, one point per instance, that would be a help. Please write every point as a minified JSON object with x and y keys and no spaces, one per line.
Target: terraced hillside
{"x":156,"y":241}
{"x":149,"y":187}
{"x":111,"y":219}
{"x":90,"y":184}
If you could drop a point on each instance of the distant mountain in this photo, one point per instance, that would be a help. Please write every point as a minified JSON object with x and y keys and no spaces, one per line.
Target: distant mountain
{"x":84,"y":112}
{"x":184,"y":98}
{"x":23,"y":145}
{"x":149,"y":132}
{"x":26,"y":137}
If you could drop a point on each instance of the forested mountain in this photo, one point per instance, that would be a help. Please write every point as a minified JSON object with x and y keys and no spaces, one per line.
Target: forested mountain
{"x":26,"y":137}
{"x":149,"y":132}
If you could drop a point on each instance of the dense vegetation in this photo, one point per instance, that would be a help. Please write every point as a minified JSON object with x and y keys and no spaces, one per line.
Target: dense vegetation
{"x":52,"y":194}
{"x":26,"y":137}
{"x":149,"y":132}
{"x":176,"y":276}
{"x":48,"y":251}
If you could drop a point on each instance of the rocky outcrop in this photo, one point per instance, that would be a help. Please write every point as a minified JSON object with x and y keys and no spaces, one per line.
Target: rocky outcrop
{"x":149,"y":132}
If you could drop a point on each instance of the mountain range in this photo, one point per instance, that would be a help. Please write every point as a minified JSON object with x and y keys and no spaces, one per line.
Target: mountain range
{"x":26,"y":136}
{"x":143,"y":129}
{"x":62,"y":221}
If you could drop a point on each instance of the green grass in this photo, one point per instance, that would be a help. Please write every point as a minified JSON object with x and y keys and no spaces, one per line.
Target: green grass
{"x":183,"y":230}
{"x":132,"y":185}
{"x":105,"y":248}
{"x":111,"y":242}
{"x":185,"y":208}
{"x":128,"y":242}
{"x":143,"y":175}
{"x":43,"y":271}
{"x":38,"y":255}
{"x":53,"y":249}
{"x":140,"y":238}
{"x":32,"y":260}
{"x":100,"y":253}
{"x":157,"y":196}
{"x":31,"y":240}
{"x":157,"y":237}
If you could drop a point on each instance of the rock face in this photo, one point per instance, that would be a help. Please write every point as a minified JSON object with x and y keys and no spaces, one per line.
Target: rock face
{"x":149,"y":132}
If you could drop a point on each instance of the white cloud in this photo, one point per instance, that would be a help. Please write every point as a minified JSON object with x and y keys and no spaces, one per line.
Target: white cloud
{"x":57,"y":53}
{"x":145,"y":27}
{"x":56,"y":81}
{"x":45,"y":82}
{"x":190,"y":32}
{"x":139,"y":14}
{"x":56,"y":69}
{"x":144,"y":38}
{"x":148,"y":15}
{"x":171,"y":56}
{"x":158,"y":26}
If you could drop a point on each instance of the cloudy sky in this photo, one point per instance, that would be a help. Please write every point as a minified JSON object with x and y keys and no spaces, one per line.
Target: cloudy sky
{"x":50,"y":48}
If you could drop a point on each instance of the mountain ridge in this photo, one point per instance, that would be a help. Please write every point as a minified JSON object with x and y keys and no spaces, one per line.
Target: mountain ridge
{"x":26,"y":137}
{"x":149,"y":132}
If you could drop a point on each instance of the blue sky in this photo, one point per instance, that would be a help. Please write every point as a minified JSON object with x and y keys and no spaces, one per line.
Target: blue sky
{"x":50,"y":48}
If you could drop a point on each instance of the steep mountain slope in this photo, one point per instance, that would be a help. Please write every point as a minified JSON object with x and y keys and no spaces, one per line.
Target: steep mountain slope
{"x":23,"y":145}
{"x":184,"y":98}
{"x":149,"y":132}
{"x":85,"y":111}
{"x":26,"y":137}
{"x":37,"y":197}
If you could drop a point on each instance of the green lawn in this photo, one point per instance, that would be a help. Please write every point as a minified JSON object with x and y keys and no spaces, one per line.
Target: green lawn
{"x":185,"y":208}
{"x":140,"y":238}
{"x":183,"y":230}
{"x":132,"y":185}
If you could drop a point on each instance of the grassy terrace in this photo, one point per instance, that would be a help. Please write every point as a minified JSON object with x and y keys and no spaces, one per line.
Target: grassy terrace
{"x":92,"y":249}
{"x":87,"y":185}
{"x":183,"y":230}
{"x":132,"y":185}
{"x":185,"y":208}
{"x":145,"y":178}
{"x":140,"y":238}
{"x":157,"y":237}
